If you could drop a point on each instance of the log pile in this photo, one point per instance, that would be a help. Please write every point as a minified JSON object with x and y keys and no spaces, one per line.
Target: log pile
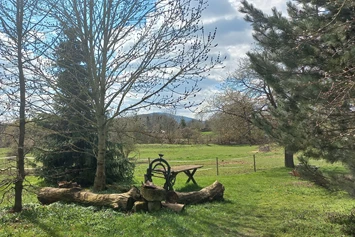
{"x":154,"y":199}
{"x":148,"y":198}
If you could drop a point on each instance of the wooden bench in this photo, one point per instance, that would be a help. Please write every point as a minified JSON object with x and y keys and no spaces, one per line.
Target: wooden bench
{"x":160,"y":168}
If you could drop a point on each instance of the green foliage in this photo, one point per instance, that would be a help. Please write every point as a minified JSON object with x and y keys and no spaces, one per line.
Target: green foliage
{"x":78,"y":167}
{"x":312,"y":173}
{"x":69,"y":165}
{"x":68,"y":151}
{"x":347,"y":221}
{"x":119,"y":168}
{"x":308,"y":60}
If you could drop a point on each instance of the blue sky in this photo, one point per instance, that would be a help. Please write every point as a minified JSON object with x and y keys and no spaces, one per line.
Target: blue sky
{"x":234,"y":38}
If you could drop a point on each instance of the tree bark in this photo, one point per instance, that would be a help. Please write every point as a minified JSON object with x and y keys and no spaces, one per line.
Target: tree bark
{"x":153,"y":194}
{"x":289,"y":158}
{"x":211,"y":193}
{"x":20,"y":162}
{"x":122,"y":201}
{"x":100,"y":176}
{"x":132,"y":200}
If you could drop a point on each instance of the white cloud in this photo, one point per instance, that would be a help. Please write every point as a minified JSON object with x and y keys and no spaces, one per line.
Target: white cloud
{"x":234,"y":38}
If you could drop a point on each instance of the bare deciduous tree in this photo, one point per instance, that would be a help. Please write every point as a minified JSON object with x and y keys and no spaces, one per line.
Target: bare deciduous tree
{"x":138,"y":54}
{"x":20,"y":24}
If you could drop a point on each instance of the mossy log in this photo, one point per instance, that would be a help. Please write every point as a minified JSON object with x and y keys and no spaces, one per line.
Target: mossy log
{"x":122,"y":201}
{"x":213,"y":192}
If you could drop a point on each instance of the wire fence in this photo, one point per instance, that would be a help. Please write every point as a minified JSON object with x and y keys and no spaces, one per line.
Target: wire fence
{"x":221,"y":166}
{"x":210,"y":167}
{"x":8,"y":165}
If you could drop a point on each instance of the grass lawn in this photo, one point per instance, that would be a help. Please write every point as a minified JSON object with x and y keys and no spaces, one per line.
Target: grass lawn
{"x":268,"y":202}
{"x":3,"y":152}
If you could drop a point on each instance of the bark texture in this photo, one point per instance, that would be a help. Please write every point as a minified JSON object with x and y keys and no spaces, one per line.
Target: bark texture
{"x":176,"y":207}
{"x":289,"y":163}
{"x":122,"y":201}
{"x":213,"y":192}
{"x":151,"y":199}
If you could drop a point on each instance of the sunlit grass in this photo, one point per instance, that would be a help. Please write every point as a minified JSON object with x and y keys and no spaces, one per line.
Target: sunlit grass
{"x":192,"y":152}
{"x":268,"y":202}
{"x":4,"y":152}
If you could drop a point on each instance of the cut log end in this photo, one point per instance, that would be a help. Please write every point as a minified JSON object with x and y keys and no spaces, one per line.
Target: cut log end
{"x":176,"y":207}
{"x":153,"y":193}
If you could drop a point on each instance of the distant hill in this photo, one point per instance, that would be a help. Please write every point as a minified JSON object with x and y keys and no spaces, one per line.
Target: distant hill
{"x":177,"y":118}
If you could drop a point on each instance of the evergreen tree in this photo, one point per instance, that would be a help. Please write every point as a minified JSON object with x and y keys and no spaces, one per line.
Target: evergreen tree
{"x":71,"y":153}
{"x":308,"y":60}
{"x":182,"y":123}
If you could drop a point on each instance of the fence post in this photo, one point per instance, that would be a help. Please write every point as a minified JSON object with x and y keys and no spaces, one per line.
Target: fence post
{"x":217,"y":165}
{"x":254,"y":163}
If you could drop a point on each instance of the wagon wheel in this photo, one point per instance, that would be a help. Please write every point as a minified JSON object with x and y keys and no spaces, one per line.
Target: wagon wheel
{"x":172,"y":180}
{"x":160,"y":168}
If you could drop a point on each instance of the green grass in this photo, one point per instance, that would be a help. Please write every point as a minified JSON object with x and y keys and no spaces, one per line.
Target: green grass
{"x":192,"y":152}
{"x":4,"y":163}
{"x":4,"y":151}
{"x":268,"y":202}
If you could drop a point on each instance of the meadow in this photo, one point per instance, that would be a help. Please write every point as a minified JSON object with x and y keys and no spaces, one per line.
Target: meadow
{"x":268,"y":202}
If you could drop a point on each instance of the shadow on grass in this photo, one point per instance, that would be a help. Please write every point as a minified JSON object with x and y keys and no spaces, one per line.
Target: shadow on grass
{"x":208,"y":220}
{"x":189,"y":188}
{"x":32,"y":217}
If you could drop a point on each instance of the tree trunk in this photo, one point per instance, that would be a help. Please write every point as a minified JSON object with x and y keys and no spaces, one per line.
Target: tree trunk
{"x":20,"y":164}
{"x":289,"y":158}
{"x":207,"y":194}
{"x":122,"y":201}
{"x":100,"y":177}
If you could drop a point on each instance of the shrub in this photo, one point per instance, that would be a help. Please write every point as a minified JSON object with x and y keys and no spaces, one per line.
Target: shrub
{"x":81,"y":166}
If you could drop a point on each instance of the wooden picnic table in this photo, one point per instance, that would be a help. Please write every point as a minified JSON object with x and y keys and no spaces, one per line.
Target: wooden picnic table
{"x":189,"y":170}
{"x":160,"y":168}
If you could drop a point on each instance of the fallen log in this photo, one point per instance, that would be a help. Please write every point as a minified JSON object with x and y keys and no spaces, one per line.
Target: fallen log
{"x":176,"y":207}
{"x":122,"y":201}
{"x":133,"y":199}
{"x":213,"y":192}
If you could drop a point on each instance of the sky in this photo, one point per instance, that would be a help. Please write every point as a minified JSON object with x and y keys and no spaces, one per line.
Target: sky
{"x":234,"y":38}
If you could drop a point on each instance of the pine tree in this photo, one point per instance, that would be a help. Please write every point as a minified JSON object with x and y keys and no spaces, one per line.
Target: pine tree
{"x":70,"y":153}
{"x":308,"y":61}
